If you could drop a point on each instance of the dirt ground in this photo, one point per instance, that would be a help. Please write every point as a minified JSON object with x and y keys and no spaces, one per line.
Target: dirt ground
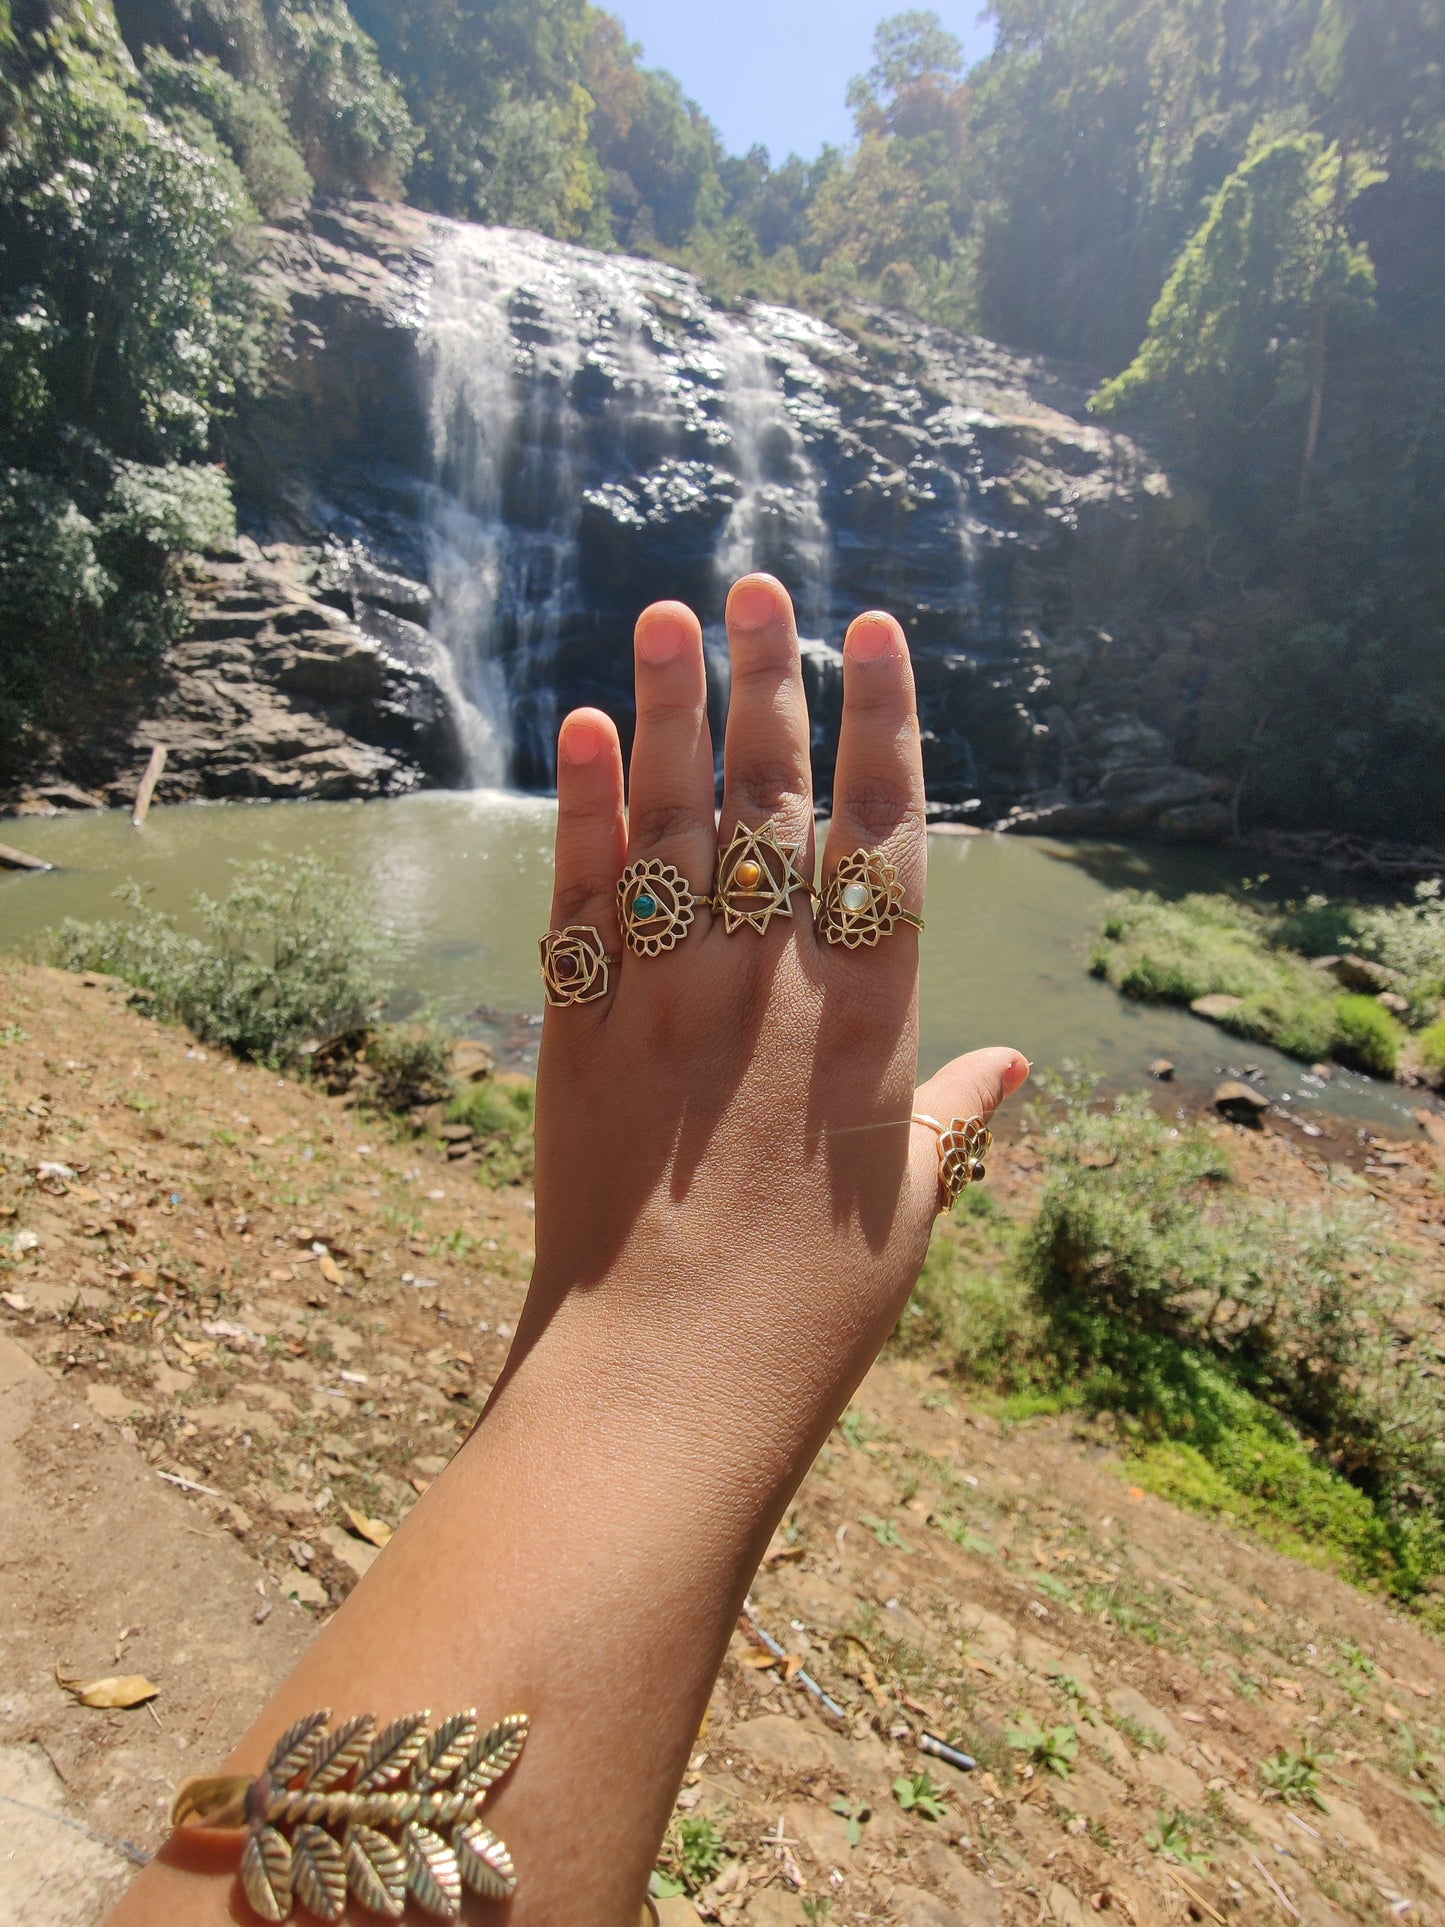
{"x":241,"y":1328}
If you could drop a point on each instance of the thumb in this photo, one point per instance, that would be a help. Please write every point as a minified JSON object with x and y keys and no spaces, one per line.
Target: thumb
{"x":969,"y":1087}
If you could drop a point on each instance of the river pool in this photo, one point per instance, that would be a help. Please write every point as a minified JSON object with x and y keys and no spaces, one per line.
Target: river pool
{"x":460,"y":885}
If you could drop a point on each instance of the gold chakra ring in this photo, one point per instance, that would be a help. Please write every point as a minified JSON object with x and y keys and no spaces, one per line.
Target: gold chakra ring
{"x":576,"y":968}
{"x":386,"y":1814}
{"x":656,"y":906}
{"x":757,"y":879}
{"x":864,"y":901}
{"x":963,"y":1144}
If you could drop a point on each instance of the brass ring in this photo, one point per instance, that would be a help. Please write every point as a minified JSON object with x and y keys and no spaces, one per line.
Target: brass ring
{"x":757,"y":879}
{"x":963,"y":1144}
{"x":576,"y":968}
{"x":656,"y":906}
{"x":864,"y":902}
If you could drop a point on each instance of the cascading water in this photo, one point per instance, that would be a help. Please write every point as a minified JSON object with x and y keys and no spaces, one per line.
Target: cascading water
{"x":571,"y":390}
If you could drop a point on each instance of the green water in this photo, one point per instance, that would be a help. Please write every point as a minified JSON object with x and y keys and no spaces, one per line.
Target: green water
{"x":460,"y":887}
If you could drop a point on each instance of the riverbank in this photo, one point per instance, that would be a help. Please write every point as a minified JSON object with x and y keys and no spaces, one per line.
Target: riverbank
{"x":284,"y":1318}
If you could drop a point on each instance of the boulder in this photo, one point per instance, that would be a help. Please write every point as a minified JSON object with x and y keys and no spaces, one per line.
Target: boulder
{"x":1216,"y":1006}
{"x":1240,"y":1103}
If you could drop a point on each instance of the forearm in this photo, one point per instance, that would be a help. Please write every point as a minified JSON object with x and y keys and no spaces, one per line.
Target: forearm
{"x":582,"y":1560}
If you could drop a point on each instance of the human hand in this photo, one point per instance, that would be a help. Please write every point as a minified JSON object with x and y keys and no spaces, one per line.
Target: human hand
{"x":732,"y":1204}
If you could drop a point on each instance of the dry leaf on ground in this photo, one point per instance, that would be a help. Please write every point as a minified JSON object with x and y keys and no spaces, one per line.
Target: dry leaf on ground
{"x":129,"y":1689}
{"x":375,"y":1531}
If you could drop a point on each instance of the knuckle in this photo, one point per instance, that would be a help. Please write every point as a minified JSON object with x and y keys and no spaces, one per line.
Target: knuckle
{"x":587,"y":895}
{"x":663,"y":823}
{"x":881,"y":808}
{"x":772,"y":787}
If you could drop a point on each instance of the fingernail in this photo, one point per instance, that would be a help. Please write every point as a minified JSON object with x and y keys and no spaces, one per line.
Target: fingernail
{"x":1017,"y":1074}
{"x":661,"y":637}
{"x":871,"y":637}
{"x":582,"y":742}
{"x":754,"y":602}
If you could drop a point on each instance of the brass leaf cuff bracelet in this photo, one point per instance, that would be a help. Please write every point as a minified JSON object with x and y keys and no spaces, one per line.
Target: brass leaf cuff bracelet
{"x":386,"y":1815}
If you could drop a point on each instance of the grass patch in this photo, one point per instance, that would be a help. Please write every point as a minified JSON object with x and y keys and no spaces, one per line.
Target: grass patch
{"x":1244,"y":1349}
{"x":502,"y":1115}
{"x":1210,"y":945}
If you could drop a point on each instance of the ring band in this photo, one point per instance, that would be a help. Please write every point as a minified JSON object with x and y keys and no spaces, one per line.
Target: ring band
{"x":576,"y":968}
{"x":963,"y":1144}
{"x":757,"y":879}
{"x":863,"y":902}
{"x":656,"y":907}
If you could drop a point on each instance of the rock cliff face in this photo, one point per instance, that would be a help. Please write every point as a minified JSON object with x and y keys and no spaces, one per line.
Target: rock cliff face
{"x":484,"y":452}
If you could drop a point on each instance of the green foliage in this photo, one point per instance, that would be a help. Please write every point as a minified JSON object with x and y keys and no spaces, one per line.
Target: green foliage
{"x":692,"y":1855}
{"x":243,"y":117}
{"x":501,"y":1113}
{"x":1431,"y":1045}
{"x":288,"y":956}
{"x":409,"y":1064}
{"x":347,"y":115}
{"x":1054,"y":1748}
{"x":1230,"y":339}
{"x":1144,"y":1739}
{"x":919,"y":1793}
{"x":1202,"y":945}
{"x":857,"y":1814}
{"x":1292,"y":1776}
{"x":1367,"y":1036}
{"x":971,"y":1306}
{"x":1173,"y":1837}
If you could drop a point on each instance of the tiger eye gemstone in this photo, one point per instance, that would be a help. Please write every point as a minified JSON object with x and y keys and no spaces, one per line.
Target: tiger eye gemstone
{"x":855,"y":896}
{"x":748,"y":875}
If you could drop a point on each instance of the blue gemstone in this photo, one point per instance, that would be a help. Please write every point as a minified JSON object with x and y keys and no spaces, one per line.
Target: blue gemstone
{"x":644,"y":906}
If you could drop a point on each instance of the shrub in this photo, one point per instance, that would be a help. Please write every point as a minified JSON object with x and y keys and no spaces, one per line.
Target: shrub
{"x":409,"y":1064}
{"x":1367,"y":1036}
{"x":1432,"y":1049}
{"x":501,"y":1112}
{"x":288,"y":956}
{"x":243,"y":117}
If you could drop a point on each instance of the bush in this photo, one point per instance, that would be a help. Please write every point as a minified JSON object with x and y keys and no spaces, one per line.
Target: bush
{"x":1367,"y":1036}
{"x":501,"y":1112}
{"x":410,"y":1064}
{"x":1431,"y":1045}
{"x":288,"y":956}
{"x":972,"y":1308}
{"x":244,"y":118}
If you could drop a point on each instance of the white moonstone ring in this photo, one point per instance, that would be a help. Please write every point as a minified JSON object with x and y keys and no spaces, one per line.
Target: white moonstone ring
{"x":863,"y":902}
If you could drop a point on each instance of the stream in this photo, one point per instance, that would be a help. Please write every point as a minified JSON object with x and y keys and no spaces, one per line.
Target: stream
{"x":460,"y":885}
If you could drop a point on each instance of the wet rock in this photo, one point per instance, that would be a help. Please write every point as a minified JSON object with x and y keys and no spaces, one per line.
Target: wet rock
{"x":1218,"y":1004}
{"x":1240,"y":1103}
{"x":1162,"y":1069}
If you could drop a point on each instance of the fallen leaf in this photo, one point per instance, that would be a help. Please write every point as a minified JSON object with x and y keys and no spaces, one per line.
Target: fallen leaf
{"x":1392,"y":1712}
{"x":15,"y":1300}
{"x":375,"y":1531}
{"x":758,"y":1657}
{"x":776,"y":1554}
{"x":130,"y":1689}
{"x":330,"y":1270}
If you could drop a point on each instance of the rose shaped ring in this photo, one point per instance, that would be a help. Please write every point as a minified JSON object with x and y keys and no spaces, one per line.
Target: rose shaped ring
{"x":963,"y":1144}
{"x":656,"y":907}
{"x":757,"y":879}
{"x":863,"y":901}
{"x":576,"y":968}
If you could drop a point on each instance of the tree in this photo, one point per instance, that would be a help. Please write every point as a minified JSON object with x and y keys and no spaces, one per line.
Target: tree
{"x":1233,"y":364}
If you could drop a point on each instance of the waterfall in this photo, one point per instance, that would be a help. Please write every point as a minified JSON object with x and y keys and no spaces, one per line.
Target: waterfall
{"x":565,"y":383}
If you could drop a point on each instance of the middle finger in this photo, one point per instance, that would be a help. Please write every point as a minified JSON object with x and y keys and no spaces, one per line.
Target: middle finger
{"x":766,"y":763}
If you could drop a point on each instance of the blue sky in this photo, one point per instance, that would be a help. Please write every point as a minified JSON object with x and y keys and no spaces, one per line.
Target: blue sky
{"x":777,"y":71}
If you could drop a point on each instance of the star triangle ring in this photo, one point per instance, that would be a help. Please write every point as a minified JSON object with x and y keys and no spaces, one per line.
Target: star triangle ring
{"x":757,"y":879}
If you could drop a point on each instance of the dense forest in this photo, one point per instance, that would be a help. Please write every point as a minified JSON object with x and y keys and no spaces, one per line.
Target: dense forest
{"x":1231,"y":213}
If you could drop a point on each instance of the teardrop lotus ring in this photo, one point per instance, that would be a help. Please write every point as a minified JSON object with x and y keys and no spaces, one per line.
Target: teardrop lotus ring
{"x":963,"y":1144}
{"x":864,"y":902}
{"x":576,"y":968}
{"x":656,"y":906}
{"x":757,"y":879}
{"x":385,"y":1814}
